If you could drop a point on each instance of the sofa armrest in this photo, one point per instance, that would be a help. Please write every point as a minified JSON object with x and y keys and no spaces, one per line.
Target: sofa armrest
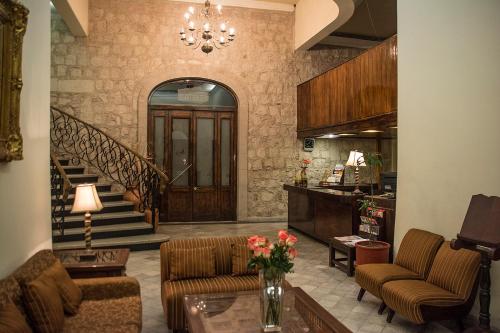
{"x":108,"y":287}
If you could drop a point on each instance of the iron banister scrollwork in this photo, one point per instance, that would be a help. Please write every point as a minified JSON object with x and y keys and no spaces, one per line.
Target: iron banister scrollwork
{"x":60,"y":186}
{"x":121,"y":164}
{"x":13,"y":23}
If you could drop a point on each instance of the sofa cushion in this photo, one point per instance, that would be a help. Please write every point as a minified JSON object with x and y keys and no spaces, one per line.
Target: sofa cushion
{"x":34,"y":266}
{"x":44,"y":305}
{"x":196,"y":262}
{"x":109,"y":315}
{"x":222,"y":252}
{"x":371,"y":277}
{"x":70,"y":293}
{"x":406,"y":296}
{"x":11,"y":291}
{"x":11,"y":320}
{"x":417,"y":251}
{"x":455,"y":271}
{"x":240,"y":256}
{"x":173,"y":291}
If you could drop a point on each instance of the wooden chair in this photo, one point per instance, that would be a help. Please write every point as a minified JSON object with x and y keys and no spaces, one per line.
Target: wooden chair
{"x":413,"y":262}
{"x":447,"y":293}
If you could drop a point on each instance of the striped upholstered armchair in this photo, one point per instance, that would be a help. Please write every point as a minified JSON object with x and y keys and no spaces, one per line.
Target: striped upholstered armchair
{"x":447,"y":293}
{"x":201,"y":266}
{"x":413,"y":262}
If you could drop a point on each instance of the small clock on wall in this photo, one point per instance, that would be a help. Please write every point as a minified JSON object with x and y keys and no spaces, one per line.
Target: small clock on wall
{"x":309,"y":144}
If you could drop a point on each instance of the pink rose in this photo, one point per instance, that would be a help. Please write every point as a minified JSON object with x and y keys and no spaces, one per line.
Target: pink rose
{"x":271,"y":246}
{"x":282,"y":235}
{"x":292,"y":253}
{"x":257,"y":252}
{"x":266,"y":252}
{"x":291,"y":240}
{"x":261,"y":241}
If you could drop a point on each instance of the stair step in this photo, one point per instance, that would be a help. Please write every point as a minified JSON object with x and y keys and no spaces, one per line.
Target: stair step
{"x":105,"y":231}
{"x":76,"y":221}
{"x":63,"y":161}
{"x":108,"y":207}
{"x":101,"y":187}
{"x":72,"y":169}
{"x":83,"y":178}
{"x":134,"y":243}
{"x":104,"y":196}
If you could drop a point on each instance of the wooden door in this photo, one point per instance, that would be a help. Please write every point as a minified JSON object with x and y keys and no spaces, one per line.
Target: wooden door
{"x":203,"y":142}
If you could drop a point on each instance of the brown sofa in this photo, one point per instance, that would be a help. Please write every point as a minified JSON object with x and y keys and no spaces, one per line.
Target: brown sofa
{"x":173,"y":291}
{"x":109,"y":305}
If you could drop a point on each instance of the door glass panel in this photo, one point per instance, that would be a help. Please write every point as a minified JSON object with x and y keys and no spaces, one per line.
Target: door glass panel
{"x":205,"y":152}
{"x":180,"y":150}
{"x":159,"y":141}
{"x":225,"y":151}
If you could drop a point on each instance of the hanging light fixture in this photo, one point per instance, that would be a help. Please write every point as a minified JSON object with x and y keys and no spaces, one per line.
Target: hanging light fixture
{"x":206,"y":29}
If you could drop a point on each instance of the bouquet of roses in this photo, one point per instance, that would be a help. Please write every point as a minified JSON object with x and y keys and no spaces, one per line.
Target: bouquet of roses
{"x":275,"y":256}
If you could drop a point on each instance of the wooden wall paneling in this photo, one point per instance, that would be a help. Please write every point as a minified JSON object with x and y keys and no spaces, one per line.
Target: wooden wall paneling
{"x":303,"y":105}
{"x":319,"y":112}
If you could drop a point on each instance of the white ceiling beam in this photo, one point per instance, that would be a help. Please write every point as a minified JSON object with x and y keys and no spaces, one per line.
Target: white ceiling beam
{"x":256,"y":4}
{"x":75,"y":14}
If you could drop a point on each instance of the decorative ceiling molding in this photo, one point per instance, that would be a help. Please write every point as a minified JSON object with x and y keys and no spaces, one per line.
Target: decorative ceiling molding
{"x":317,"y":19}
{"x":257,"y":4}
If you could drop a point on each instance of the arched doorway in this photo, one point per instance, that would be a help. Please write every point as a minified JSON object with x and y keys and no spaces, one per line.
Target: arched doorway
{"x":192,"y":135}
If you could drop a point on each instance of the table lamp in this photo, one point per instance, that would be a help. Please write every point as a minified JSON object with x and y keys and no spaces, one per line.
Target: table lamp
{"x":356,"y":160}
{"x":86,"y":201}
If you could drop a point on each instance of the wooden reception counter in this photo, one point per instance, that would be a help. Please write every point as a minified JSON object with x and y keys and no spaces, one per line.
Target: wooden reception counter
{"x":322,"y":213}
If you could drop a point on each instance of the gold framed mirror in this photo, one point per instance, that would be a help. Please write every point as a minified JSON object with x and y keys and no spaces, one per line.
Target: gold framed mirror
{"x":13,"y":21}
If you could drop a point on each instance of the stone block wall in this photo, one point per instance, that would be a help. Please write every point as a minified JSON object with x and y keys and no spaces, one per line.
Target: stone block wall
{"x":97,"y":79}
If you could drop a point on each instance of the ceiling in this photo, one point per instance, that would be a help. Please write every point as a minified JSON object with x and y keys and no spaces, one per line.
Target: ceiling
{"x":373,"y":21}
{"x":290,"y":2}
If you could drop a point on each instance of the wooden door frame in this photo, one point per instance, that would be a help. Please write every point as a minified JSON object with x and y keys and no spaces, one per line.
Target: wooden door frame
{"x":151,"y":109}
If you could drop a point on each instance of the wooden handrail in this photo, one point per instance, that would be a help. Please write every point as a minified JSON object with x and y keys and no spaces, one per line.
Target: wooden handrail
{"x":67,"y":183}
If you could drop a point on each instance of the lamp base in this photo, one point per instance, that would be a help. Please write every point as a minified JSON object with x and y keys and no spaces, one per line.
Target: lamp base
{"x":358,"y":191}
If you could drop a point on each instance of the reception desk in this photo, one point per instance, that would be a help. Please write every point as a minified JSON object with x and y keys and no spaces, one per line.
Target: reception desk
{"x":322,"y":213}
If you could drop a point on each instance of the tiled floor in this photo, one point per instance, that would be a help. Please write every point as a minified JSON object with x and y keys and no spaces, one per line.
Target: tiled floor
{"x":329,"y":286}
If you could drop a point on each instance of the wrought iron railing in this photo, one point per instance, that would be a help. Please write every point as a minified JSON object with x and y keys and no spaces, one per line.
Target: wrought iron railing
{"x":119,"y":163}
{"x":60,"y":186}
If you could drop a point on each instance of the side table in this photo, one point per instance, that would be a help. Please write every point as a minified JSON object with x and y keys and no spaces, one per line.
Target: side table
{"x":108,"y":262}
{"x":346,"y":263}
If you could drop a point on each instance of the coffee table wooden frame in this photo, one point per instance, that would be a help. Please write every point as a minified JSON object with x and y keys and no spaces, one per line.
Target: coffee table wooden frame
{"x":91,"y":269}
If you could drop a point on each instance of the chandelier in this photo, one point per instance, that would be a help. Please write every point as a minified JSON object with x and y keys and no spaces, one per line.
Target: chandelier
{"x":206,"y":29}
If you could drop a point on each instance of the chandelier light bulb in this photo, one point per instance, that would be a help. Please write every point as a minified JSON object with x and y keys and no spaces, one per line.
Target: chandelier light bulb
{"x":206,"y":28}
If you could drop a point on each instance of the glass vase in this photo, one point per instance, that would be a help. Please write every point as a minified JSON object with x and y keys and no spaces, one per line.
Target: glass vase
{"x":271,"y":299}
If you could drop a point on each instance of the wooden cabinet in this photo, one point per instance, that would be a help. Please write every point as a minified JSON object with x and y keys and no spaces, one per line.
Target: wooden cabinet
{"x":361,"y":89}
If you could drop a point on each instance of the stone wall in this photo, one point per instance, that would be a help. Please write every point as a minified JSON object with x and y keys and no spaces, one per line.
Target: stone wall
{"x":98,"y":78}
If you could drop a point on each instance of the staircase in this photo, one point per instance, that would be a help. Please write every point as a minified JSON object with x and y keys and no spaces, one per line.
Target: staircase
{"x":116,"y":225}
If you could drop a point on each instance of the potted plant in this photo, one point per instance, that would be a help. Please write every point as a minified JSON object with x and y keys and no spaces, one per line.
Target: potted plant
{"x":371,"y":251}
{"x":273,"y":260}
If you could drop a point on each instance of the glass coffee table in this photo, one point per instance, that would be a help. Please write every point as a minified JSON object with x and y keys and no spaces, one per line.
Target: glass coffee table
{"x":240,"y":312}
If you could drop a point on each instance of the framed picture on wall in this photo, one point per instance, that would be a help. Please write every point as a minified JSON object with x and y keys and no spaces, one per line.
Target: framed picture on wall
{"x":13,"y":22}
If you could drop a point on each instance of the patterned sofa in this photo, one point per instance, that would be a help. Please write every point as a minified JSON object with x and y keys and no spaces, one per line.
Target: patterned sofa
{"x":172,"y":291}
{"x":108,"y":305}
